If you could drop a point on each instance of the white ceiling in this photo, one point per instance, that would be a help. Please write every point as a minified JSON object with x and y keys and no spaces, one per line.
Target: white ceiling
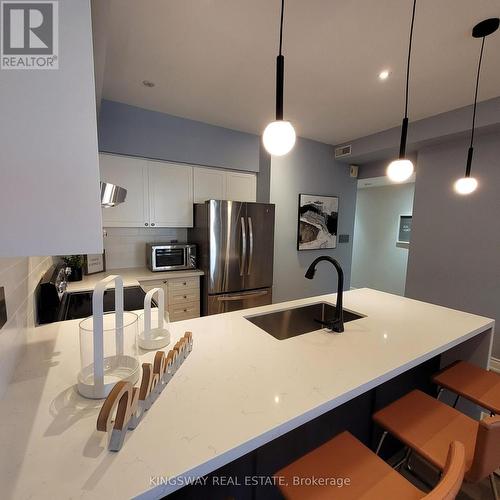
{"x":214,"y":61}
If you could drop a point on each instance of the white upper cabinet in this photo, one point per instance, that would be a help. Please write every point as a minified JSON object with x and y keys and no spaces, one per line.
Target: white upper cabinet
{"x":218,"y":184}
{"x":132,"y":174}
{"x":49,"y":172}
{"x":241,"y":187}
{"x":170,"y":195}
{"x":209,"y":184}
{"x":161,"y":194}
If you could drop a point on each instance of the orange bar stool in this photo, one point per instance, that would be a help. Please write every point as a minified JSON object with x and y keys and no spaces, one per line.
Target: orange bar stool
{"x":473,"y":383}
{"x":428,"y":426}
{"x":345,"y":469}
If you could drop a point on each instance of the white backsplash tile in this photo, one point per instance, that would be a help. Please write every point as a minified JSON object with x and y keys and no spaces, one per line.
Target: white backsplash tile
{"x":19,"y":277}
{"x":126,"y":246}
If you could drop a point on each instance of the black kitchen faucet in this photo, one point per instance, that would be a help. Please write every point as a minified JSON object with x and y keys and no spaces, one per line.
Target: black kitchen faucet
{"x":337,"y":323}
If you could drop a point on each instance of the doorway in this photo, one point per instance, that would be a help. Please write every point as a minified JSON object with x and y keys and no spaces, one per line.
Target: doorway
{"x":382,"y":230}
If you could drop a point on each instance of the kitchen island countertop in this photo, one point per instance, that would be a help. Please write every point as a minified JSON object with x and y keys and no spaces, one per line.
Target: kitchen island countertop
{"x":238,"y":389}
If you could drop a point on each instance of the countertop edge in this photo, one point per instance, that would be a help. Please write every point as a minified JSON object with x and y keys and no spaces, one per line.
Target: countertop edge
{"x":228,"y":456}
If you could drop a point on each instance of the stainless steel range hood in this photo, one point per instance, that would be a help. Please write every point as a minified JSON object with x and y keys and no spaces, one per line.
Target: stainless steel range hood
{"x":112,"y":195}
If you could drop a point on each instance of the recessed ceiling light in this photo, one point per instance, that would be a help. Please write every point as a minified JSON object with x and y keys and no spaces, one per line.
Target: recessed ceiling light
{"x":383,"y":75}
{"x":147,"y":83}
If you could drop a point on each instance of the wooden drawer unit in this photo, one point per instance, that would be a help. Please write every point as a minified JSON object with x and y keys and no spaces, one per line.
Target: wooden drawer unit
{"x":184,"y":296}
{"x":180,"y":284}
{"x":179,"y":312}
{"x":150,"y":284}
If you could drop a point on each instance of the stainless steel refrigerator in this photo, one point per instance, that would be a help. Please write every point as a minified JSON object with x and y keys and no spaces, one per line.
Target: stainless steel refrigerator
{"x":235,"y":250}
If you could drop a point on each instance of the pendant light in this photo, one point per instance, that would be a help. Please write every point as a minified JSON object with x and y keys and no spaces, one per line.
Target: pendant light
{"x":279,"y":136}
{"x":400,"y":170}
{"x":467,"y":185}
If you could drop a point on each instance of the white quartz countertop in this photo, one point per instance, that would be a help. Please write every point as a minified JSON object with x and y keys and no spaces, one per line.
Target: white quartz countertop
{"x":237,"y":390}
{"x":131,"y":277}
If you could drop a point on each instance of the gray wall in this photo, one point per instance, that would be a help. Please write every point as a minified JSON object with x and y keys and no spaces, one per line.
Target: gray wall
{"x":378,"y":168}
{"x":264,"y":177}
{"x":426,"y":132}
{"x":455,"y":252}
{"x":311,"y":169}
{"x":134,"y":131}
{"x":377,"y":262}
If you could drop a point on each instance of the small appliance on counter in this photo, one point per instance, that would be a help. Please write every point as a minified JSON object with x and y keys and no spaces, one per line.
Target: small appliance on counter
{"x":54,"y":303}
{"x":170,"y":256}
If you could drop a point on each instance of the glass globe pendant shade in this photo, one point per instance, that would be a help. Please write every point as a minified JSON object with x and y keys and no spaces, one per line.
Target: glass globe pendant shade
{"x":465,"y":185}
{"x":279,"y":137}
{"x":400,"y":170}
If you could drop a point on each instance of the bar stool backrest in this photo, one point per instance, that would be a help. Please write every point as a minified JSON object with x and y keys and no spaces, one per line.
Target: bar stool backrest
{"x":487,"y":451}
{"x":453,"y":474}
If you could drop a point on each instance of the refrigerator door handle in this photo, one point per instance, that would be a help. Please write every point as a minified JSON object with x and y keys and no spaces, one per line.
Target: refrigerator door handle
{"x":250,"y":237}
{"x":243,"y":249}
{"x":242,"y":296}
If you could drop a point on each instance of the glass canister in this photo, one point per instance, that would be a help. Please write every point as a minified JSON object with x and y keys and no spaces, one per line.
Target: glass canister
{"x":108,"y":345}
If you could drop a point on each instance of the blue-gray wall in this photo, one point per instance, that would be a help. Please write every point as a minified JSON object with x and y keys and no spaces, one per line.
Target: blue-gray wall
{"x":129,"y":130}
{"x":378,"y":261}
{"x":309,"y":168}
{"x":424,"y":133}
{"x":264,"y":177}
{"x":454,"y":255}
{"x":378,"y":168}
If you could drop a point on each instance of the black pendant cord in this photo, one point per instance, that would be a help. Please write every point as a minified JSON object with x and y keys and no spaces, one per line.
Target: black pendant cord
{"x":471,"y":147}
{"x":281,"y":24}
{"x":409,"y":58}
{"x":280,"y":70}
{"x":404,"y":126}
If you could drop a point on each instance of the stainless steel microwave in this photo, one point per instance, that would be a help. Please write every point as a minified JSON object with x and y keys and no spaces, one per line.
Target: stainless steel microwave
{"x":170,"y":257}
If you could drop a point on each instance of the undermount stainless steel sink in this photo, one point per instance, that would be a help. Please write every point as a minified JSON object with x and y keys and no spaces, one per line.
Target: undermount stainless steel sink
{"x":298,"y":320}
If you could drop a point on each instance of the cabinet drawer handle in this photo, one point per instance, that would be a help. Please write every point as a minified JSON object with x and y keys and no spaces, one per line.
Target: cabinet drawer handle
{"x":146,"y":224}
{"x":184,"y":283}
{"x":185,"y":296}
{"x":152,"y":223}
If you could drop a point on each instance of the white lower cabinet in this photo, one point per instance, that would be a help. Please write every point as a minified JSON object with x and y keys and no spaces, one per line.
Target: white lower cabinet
{"x":182,"y":296}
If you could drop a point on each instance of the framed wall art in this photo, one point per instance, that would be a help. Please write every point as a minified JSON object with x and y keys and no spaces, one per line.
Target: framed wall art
{"x":318,"y":217}
{"x":404,"y":232}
